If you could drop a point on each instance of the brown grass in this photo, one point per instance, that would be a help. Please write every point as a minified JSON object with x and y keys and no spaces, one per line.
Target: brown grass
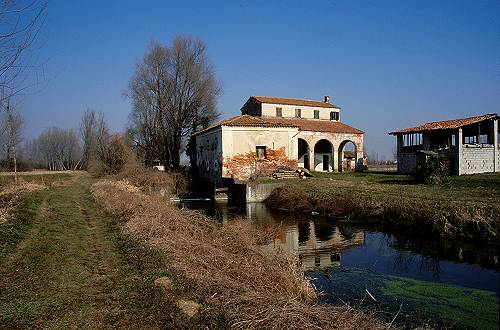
{"x":226,"y":265}
{"x":418,"y":215}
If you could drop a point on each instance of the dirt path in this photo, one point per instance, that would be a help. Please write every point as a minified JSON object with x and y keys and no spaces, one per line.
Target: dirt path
{"x":64,"y":263}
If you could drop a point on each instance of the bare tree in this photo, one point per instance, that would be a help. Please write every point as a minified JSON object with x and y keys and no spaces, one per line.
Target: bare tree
{"x":12,"y":135}
{"x":174,"y":93}
{"x":94,"y":133}
{"x":20,"y":22}
{"x":57,"y":148}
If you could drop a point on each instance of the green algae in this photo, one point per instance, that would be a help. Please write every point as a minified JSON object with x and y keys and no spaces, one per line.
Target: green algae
{"x":454,"y":305}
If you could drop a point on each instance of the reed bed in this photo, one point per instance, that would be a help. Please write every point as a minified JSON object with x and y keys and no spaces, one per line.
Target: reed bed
{"x":226,"y":265}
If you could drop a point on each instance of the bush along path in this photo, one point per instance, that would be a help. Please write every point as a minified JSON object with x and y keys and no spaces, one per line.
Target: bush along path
{"x":65,"y":263}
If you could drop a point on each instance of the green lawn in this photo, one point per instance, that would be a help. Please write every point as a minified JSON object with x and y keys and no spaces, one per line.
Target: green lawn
{"x":65,"y":263}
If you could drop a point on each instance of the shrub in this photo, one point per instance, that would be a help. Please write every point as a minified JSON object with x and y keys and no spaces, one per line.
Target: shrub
{"x":112,"y":157}
{"x":435,"y":170}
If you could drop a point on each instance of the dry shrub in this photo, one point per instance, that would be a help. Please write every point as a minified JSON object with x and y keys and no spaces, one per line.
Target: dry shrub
{"x":111,"y":157}
{"x":255,"y":290}
{"x":168,"y":183}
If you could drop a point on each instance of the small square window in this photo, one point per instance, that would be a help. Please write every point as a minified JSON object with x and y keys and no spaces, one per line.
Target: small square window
{"x":279,"y":112}
{"x":316,"y":114}
{"x":298,"y":113}
{"x":261,"y":152}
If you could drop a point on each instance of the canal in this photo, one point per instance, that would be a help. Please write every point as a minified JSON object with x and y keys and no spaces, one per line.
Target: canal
{"x":396,"y":277}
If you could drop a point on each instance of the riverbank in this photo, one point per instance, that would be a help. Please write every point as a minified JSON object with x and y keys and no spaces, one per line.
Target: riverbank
{"x":66,"y":263}
{"x":226,"y":265}
{"x":138,"y":262}
{"x":465,"y":208}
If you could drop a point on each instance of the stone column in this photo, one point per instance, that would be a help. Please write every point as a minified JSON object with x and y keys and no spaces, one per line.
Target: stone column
{"x":311,"y":157}
{"x":460,"y":151}
{"x":335,"y":159}
{"x":496,"y":152}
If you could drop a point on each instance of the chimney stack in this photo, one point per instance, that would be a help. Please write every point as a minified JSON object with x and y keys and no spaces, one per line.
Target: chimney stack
{"x":327,"y":99}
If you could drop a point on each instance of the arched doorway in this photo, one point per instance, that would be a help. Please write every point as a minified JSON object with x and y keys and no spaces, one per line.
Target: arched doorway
{"x":348,"y":156}
{"x":323,"y":156}
{"x":303,"y":153}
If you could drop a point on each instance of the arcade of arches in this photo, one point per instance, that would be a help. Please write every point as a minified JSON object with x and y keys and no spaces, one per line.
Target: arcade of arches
{"x":327,"y":154}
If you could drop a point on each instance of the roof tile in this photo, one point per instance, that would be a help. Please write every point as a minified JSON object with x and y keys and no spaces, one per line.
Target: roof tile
{"x":446,"y":124}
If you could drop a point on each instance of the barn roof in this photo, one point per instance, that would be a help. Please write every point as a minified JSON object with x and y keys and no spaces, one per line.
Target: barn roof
{"x":297,"y":102}
{"x":301,"y":124}
{"x":446,"y":124}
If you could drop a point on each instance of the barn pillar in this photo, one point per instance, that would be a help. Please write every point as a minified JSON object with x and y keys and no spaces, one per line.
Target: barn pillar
{"x":496,"y":152}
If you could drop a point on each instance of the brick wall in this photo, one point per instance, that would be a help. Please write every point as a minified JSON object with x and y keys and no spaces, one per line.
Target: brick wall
{"x":476,"y":160}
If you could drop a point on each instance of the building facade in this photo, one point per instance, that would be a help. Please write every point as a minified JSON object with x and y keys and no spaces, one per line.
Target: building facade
{"x":471,"y":145}
{"x":276,"y":133}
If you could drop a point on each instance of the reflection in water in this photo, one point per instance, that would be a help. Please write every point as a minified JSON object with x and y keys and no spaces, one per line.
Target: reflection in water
{"x":318,"y":245}
{"x":434,"y":279}
{"x":323,"y":243}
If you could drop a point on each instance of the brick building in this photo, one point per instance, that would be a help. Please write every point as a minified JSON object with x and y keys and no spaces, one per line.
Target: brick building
{"x":273,"y":133}
{"x":471,"y":144}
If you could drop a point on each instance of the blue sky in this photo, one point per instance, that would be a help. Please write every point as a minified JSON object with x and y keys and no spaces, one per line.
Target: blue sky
{"x":388,"y":64}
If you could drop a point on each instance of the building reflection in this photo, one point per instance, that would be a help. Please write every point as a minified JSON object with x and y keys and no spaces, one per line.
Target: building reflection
{"x":318,"y":245}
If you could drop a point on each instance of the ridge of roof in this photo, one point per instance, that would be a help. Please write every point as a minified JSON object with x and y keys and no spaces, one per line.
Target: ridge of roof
{"x":446,"y":124}
{"x":292,"y":101}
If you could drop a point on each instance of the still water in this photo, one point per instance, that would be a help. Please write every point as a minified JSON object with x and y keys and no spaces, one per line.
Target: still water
{"x":416,"y":281}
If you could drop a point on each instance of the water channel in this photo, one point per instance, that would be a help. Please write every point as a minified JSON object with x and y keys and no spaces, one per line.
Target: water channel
{"x":421,"y":281}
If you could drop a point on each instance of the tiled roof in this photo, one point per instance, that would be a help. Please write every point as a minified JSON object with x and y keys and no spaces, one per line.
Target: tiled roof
{"x":297,"y":102}
{"x":314,"y":125}
{"x":447,"y":124}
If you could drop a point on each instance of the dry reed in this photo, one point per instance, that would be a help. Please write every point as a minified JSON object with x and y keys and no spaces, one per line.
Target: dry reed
{"x":226,"y":265}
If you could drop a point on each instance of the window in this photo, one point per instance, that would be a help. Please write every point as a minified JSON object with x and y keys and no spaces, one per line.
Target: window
{"x":261,"y":152}
{"x":279,"y":112}
{"x":298,"y":113}
{"x":316,"y":114}
{"x":334,"y":115}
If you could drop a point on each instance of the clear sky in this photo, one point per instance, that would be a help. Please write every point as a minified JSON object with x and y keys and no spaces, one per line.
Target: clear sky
{"x":388,"y":64}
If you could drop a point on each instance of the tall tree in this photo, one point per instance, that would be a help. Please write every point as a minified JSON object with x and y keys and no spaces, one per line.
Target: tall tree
{"x":12,"y":133}
{"x":174,"y":93}
{"x":20,"y":22}
{"x":94,"y":133}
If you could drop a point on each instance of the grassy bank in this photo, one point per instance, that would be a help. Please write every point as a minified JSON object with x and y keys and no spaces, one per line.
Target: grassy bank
{"x":465,"y":208}
{"x":225,"y":264}
{"x":66,"y":263}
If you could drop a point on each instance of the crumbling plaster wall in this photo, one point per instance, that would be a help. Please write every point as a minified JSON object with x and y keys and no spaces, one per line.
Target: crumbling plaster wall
{"x":209,"y":155}
{"x":239,"y":150}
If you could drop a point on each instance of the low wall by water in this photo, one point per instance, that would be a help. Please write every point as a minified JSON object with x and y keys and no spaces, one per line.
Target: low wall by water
{"x":258,"y":192}
{"x":251,"y":191}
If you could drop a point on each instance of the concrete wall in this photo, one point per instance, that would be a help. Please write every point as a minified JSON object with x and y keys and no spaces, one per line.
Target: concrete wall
{"x":407,"y":162}
{"x":258,"y":192}
{"x":477,"y":160}
{"x":269,"y":110}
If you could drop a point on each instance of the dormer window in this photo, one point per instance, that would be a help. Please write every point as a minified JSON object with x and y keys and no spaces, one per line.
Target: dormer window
{"x":279,"y":112}
{"x":316,"y":114}
{"x":298,"y":113}
{"x":334,"y":115}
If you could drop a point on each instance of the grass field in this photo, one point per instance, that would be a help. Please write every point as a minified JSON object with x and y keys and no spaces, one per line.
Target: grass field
{"x":65,"y":263}
{"x":465,"y":207}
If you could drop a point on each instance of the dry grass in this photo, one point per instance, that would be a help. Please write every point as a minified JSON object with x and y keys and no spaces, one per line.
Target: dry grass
{"x":10,"y":193}
{"x":428,"y":216}
{"x":226,"y":265}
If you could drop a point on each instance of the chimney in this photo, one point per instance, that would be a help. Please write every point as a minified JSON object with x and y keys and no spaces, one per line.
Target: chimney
{"x":327,"y":99}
